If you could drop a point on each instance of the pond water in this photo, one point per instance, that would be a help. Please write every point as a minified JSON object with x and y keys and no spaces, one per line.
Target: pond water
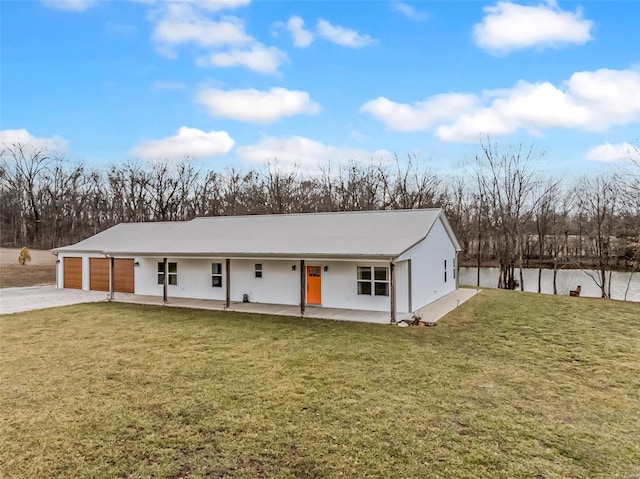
{"x":567,"y":280}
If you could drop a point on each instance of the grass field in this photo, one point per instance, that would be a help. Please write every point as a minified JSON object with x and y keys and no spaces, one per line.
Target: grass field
{"x":510,"y":385}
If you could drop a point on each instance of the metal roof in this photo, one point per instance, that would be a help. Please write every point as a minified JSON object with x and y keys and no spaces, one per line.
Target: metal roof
{"x":386,"y":233}
{"x":121,"y":236}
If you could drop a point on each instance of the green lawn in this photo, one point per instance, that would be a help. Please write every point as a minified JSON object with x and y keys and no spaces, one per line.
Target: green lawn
{"x":510,"y":385}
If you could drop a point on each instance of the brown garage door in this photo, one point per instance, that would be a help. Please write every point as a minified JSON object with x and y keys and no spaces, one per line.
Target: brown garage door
{"x":72,"y":273}
{"x":98,"y":274}
{"x":122,"y":275}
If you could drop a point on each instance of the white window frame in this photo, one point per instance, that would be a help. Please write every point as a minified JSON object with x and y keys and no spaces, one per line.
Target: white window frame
{"x":173,"y":275}
{"x":258,"y":270}
{"x":372,"y":281}
{"x":217,"y":275}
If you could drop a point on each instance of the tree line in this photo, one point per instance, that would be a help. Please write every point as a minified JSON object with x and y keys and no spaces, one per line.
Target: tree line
{"x":505,"y":211}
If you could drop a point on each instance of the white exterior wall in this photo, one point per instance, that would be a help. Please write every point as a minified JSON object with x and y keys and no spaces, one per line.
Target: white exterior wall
{"x":279,"y":283}
{"x":340,"y":286}
{"x":427,"y":267}
{"x":402,"y":286}
{"x":194,"y":278}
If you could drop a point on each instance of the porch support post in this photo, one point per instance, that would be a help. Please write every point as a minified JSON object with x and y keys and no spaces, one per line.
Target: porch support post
{"x":165,"y":282}
{"x":303,"y":287}
{"x":227,"y":268}
{"x":112,"y":277}
{"x":409,"y":284}
{"x":392,"y":286}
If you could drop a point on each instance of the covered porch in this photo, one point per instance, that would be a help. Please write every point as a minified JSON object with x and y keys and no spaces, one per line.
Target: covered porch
{"x":432,"y":312}
{"x":380,"y":317}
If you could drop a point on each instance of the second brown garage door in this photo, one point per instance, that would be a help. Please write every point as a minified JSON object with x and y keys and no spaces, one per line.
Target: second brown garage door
{"x":122,"y":275}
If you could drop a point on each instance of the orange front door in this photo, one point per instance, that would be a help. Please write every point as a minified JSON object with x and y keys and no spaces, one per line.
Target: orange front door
{"x":314,"y":285}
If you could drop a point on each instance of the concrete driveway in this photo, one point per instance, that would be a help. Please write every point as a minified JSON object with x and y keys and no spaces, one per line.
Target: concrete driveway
{"x":16,"y":300}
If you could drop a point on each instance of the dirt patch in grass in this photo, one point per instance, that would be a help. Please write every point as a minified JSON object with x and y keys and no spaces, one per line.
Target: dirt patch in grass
{"x":39,"y":271}
{"x":509,"y":385}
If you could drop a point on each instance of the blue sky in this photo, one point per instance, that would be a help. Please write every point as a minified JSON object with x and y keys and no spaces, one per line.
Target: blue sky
{"x":241,"y":83}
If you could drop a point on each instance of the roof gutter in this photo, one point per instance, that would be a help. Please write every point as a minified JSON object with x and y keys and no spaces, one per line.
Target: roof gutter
{"x":283,"y":256}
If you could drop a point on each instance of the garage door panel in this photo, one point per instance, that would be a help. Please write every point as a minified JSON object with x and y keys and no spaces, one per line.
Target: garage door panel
{"x":98,"y":274}
{"x":72,"y":273}
{"x":123,"y":275}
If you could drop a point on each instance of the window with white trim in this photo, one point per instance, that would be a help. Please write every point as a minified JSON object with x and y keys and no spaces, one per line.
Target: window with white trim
{"x":373,"y":280}
{"x":258,"y":270}
{"x":216,"y":275}
{"x":454,"y":268}
{"x":173,"y":273}
{"x":445,"y":270}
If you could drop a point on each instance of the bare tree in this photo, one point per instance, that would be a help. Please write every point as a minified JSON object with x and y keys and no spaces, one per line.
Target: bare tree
{"x":544,"y":212}
{"x":23,"y":168}
{"x":408,"y":186}
{"x":631,"y":196}
{"x":597,"y":199}
{"x":506,"y":182}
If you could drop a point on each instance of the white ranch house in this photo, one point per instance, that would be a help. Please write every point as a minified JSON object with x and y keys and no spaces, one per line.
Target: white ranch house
{"x":393,"y":261}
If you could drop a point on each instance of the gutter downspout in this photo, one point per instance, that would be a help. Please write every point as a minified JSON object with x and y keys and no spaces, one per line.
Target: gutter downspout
{"x":55,"y":253}
{"x":457,"y":270}
{"x":392,"y":286}
{"x":111,"y":276}
{"x":165,"y":283}
{"x":227,"y":269}
{"x":303,"y":287}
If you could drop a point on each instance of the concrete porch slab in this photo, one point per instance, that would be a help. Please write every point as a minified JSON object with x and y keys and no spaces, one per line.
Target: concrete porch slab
{"x":380,"y":317}
{"x":431,"y":312}
{"x":441,"y":307}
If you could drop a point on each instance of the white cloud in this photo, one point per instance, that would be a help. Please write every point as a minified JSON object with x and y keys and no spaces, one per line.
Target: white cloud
{"x":70,"y":5}
{"x":301,"y":38}
{"x":255,"y":105}
{"x":220,"y":40}
{"x":297,"y":151}
{"x":618,"y":153}
{"x":420,"y":115}
{"x":409,"y":11}
{"x":188,"y":142}
{"x":23,"y":137}
{"x":182,"y":23}
{"x":256,"y":57}
{"x":592,"y":101}
{"x":470,"y":127}
{"x":508,"y":26}
{"x":343,"y":36}
{"x":612,"y":96}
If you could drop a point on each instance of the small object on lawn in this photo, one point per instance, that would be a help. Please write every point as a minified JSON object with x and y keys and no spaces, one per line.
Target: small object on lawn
{"x":575,"y":292}
{"x":24,"y":256}
{"x":402,"y":324}
{"x":429,"y":323}
{"x":415,"y":319}
{"x":245,"y":298}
